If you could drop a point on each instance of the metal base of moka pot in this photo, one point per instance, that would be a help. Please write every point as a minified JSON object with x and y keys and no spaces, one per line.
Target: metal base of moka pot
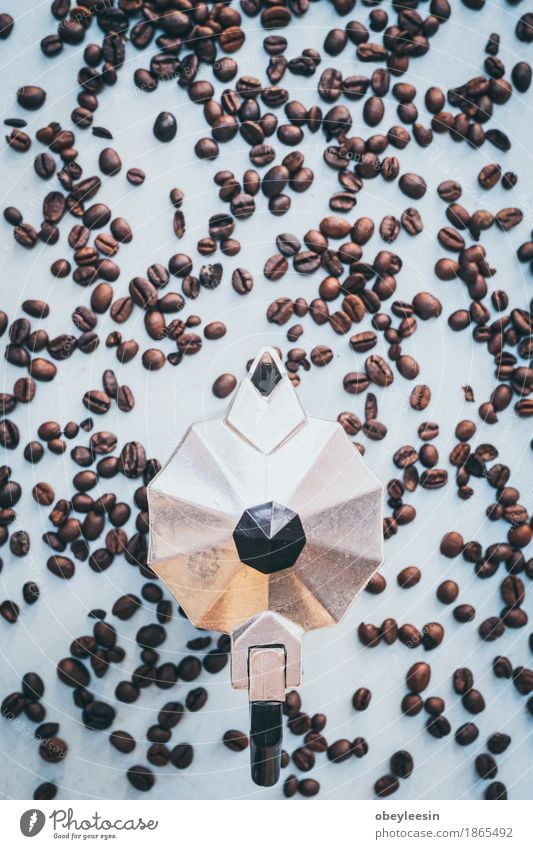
{"x":265,"y":524}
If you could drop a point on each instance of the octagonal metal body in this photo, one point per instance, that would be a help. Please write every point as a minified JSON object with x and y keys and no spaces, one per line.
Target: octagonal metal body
{"x":265,"y":449}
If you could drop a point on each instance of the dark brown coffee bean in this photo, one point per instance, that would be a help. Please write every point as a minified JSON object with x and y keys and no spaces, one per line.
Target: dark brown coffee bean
{"x":361,"y":699}
{"x":122,"y":741}
{"x":242,"y":281}
{"x":234,"y":740}
{"x":405,"y":456}
{"x":420,"y":397}
{"x":10,"y":611}
{"x":350,"y":422}
{"x":433,"y":634}
{"x":61,"y":567}
{"x":19,"y":543}
{"x":369,"y":635}
{"x":389,"y":631}
{"x":141,"y":778}
{"x":339,"y":751}
{"x":466,"y":734}
{"x":196,"y":698}
{"x":438,"y":726}
{"x":43,"y":493}
{"x":224,"y":385}
{"x":386,"y":785}
{"x":275,"y":267}
{"x":96,"y":401}
{"x":418,"y":677}
{"x":19,"y":141}
{"x":181,"y":756}
{"x":109,"y":161}
{"x":447,"y":592}
{"x":45,"y":791}
{"x":53,"y":750}
{"x":521,"y":76}
{"x":165,"y":127}
{"x":412,"y":704}
{"x":303,"y":758}
{"x":402,"y":764}
{"x":498,"y":743}
{"x":73,"y":673}
{"x":410,"y":636}
{"x":308,"y":787}
{"x":409,"y":577}
{"x":290,"y":786}
{"x":412,"y":185}
{"x":464,"y":613}
{"x":496,"y":791}
{"x":378,"y":371}
{"x":125,"y":399}
{"x":136,"y":177}
{"x":486,"y":766}
{"x":434,"y":478}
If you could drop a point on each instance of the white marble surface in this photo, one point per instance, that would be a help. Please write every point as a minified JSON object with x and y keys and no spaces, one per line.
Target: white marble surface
{"x":335,"y":663}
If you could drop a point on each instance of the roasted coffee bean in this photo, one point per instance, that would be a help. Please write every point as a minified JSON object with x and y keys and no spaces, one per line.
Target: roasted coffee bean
{"x":401,"y":764}
{"x":496,"y":790}
{"x":196,"y":699}
{"x":308,"y":787}
{"x":466,"y":734}
{"x":339,"y":751}
{"x":386,"y":785}
{"x":409,"y":577}
{"x":30,"y":592}
{"x":109,"y":161}
{"x":413,"y":186}
{"x":61,"y":567}
{"x":165,"y":127}
{"x":498,"y":743}
{"x":410,"y":636}
{"x":290,"y":786}
{"x":303,"y":759}
{"x":53,"y":750}
{"x":447,"y":592}
{"x":141,"y":778}
{"x":411,"y":704}
{"x":433,"y":634}
{"x":361,"y":699}
{"x":378,"y":371}
{"x":242,"y":281}
{"x":486,"y":766}
{"x":19,"y":141}
{"x":438,"y":726}
{"x":136,"y":177}
{"x":96,"y":401}
{"x":224,"y":385}
{"x":234,"y":740}
{"x":43,"y":493}
{"x":122,"y":741}
{"x":521,"y":76}
{"x":369,"y":635}
{"x":45,"y":791}
{"x":418,"y":677}
{"x":464,"y":613}
{"x":73,"y":673}
{"x":280,"y":311}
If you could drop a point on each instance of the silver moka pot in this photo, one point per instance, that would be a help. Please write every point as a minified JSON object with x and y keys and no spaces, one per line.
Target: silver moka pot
{"x":265,"y":524}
